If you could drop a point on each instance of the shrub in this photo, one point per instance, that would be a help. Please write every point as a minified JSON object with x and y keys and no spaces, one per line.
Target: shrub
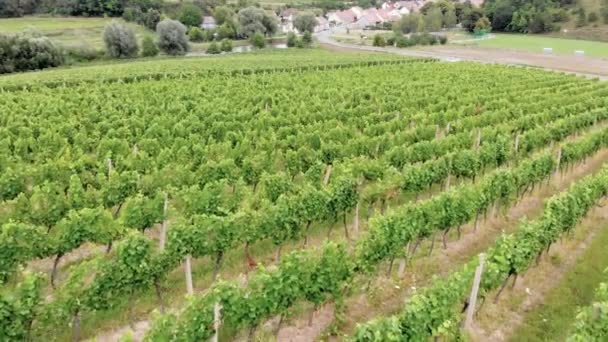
{"x":402,"y":42}
{"x":379,"y":40}
{"x":226,"y":30}
{"x":150,"y":19}
{"x":443,"y":40}
{"x":213,"y":48}
{"x":593,"y":17}
{"x":300,"y":43}
{"x":132,"y":14}
{"x":209,"y":35}
{"x":120,"y":41}
{"x":226,"y":45}
{"x":390,"y":41}
{"x":172,"y":37}
{"x":291,"y":39}
{"x":195,"y":34}
{"x":257,"y":40}
{"x":148,"y":47}
{"x":307,"y":38}
{"x":20,"y":53}
{"x":191,"y":15}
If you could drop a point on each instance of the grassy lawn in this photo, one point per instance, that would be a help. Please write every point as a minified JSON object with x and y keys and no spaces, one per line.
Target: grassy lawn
{"x":65,"y":31}
{"x":552,"y":320}
{"x":536,"y":43}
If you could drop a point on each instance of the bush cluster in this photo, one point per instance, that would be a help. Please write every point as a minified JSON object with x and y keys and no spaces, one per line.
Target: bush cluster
{"x":21,"y":53}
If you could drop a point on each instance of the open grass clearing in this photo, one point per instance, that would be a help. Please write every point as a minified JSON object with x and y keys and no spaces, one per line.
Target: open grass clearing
{"x":69,"y":32}
{"x":536,"y":43}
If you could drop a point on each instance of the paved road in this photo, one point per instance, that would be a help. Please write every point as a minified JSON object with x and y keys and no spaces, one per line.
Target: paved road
{"x":583,"y":66}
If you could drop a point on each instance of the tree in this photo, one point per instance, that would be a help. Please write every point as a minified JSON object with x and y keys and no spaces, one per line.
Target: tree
{"x":120,"y":41}
{"x":148,"y":47}
{"x":482,"y":24}
{"x":470,"y":16}
{"x":502,"y":15}
{"x":409,"y":24}
{"x":150,"y":19}
{"x":449,"y":19}
{"x":250,"y":19}
{"x":379,"y":40}
{"x":581,"y":19}
{"x":305,"y":22}
{"x":223,"y":14}
{"x":172,"y":37}
{"x":433,"y":20}
{"x":604,"y":11}
{"x":253,"y":19}
{"x":191,"y":15}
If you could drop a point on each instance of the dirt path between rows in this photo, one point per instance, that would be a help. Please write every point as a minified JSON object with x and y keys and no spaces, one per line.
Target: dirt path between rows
{"x":580,"y":65}
{"x":387,"y":294}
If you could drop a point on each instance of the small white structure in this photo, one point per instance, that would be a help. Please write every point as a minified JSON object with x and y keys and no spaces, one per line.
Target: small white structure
{"x":547,"y":51}
{"x":579,"y":52}
{"x":208,"y":23}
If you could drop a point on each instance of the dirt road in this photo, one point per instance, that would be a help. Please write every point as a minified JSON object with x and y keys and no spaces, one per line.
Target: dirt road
{"x":584,"y":66}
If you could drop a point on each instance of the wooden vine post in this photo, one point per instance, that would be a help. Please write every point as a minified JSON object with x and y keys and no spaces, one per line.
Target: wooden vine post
{"x":188,"y":270}
{"x":327,"y":174}
{"x":474,"y":291}
{"x":163,"y":225}
{"x":356,"y":224}
{"x":478,"y":141}
{"x":217,"y":318}
{"x":110,"y":167}
{"x":558,"y":161}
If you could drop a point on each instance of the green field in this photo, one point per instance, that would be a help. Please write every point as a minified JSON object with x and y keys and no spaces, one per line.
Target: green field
{"x":69,"y":32}
{"x":536,"y":43}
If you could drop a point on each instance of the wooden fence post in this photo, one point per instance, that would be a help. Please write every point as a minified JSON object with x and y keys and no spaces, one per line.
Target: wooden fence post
{"x":474,"y":291}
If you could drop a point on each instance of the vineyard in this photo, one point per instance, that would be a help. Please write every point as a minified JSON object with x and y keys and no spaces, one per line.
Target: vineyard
{"x":228,"y":199}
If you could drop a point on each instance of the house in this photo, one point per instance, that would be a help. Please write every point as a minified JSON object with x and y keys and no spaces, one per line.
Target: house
{"x":286,"y":19}
{"x":208,"y":23}
{"x":322,"y":24}
{"x":341,"y":17}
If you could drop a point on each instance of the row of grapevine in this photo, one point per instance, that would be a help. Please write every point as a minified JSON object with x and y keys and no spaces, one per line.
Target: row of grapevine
{"x":102,"y":163}
{"x":249,"y":305}
{"x":121,"y":189}
{"x":289,"y":219}
{"x":435,"y":310}
{"x":591,"y":322}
